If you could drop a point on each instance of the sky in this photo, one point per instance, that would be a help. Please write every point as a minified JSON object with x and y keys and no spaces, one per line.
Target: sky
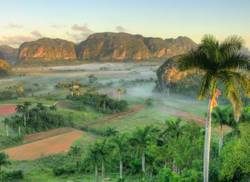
{"x":27,"y":20}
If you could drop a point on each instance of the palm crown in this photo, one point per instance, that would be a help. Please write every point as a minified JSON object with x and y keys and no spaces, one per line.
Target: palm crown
{"x":220,"y":63}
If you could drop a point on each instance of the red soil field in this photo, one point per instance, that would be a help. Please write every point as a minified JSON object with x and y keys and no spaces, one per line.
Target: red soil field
{"x":46,"y":134}
{"x":7,"y":109}
{"x":48,"y":146}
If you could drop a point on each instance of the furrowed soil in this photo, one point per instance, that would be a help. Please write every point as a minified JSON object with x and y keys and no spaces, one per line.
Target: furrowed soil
{"x":7,"y":109}
{"x":43,"y":147}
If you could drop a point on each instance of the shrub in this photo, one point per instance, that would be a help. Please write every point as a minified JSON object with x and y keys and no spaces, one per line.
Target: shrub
{"x":64,"y":170}
{"x":102,"y":103}
{"x":7,"y":95}
{"x":13,"y":175}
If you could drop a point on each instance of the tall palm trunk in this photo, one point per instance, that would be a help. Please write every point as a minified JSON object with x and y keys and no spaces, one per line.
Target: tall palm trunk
{"x":221,"y":139}
{"x":24,"y":119}
{"x":96,"y":173}
{"x":7,"y":130}
{"x":143,"y":162}
{"x":103,"y":171}
{"x":207,"y":143}
{"x":119,"y":96}
{"x":121,"y":169}
{"x":19,"y":130}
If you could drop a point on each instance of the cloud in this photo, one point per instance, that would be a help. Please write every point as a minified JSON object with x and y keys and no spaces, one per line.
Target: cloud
{"x":36,"y":33}
{"x":120,"y":29}
{"x":14,"y":26}
{"x":15,"y":40}
{"x":57,"y":26}
{"x":81,"y":28}
{"x":79,"y":32}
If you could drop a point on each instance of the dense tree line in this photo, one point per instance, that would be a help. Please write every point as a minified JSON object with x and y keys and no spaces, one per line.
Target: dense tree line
{"x":29,"y":119}
{"x":102,"y":103}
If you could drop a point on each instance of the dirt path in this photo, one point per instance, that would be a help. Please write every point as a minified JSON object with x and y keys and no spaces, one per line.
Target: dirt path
{"x":107,"y":119}
{"x":48,"y":146}
{"x":182,"y":114}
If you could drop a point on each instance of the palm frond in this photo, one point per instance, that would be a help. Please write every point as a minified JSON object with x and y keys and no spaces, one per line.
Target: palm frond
{"x":210,"y":48}
{"x":206,"y":85}
{"x":209,"y":41}
{"x":233,"y":85}
{"x":235,"y":61}
{"x":232,"y":44}
{"x":237,"y":104}
{"x":238,"y":79}
{"x":193,"y":60}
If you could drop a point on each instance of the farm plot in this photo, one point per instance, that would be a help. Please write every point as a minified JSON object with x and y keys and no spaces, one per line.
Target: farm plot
{"x":7,"y":109}
{"x":44,"y":147}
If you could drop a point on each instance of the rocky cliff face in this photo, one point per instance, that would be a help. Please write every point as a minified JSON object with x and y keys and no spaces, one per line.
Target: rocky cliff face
{"x":113,"y":46}
{"x":9,"y":54}
{"x":169,"y":75}
{"x":4,"y":67}
{"x":105,"y":47}
{"x":123,"y":46}
{"x":47,"y":49}
{"x":1,"y":56}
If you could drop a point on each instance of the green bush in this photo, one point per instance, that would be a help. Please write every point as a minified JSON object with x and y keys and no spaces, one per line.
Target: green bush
{"x":8,"y":95}
{"x":64,"y":170}
{"x":9,"y":141}
{"x":13,"y":175}
{"x":102,"y":103}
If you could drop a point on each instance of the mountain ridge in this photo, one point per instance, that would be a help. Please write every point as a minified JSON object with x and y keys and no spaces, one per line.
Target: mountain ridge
{"x":104,"y":46}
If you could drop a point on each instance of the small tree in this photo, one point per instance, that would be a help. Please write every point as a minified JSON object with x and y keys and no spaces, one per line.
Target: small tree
{"x":109,"y":132}
{"x":4,"y":160}
{"x":120,"y":143}
{"x":119,"y":93}
{"x":223,"y":116}
{"x":75,"y":153}
{"x":140,"y":138}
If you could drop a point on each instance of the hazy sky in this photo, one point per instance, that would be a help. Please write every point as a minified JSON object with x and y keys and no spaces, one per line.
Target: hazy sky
{"x":24,"y":20}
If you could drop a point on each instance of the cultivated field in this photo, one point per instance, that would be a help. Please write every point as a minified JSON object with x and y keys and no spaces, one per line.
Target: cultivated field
{"x":7,"y":109}
{"x":45,"y":145}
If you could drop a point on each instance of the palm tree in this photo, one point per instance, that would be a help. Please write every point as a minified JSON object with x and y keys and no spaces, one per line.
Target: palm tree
{"x":40,"y":107}
{"x":219,"y":63}
{"x":99,"y":152}
{"x":110,"y":131}
{"x":26,"y":109}
{"x":141,"y":138}
{"x":174,"y":128}
{"x":4,"y":160}
{"x":53,"y":107}
{"x":223,"y":116}
{"x":75,"y":152}
{"x":20,"y":109}
{"x":6,"y":123}
{"x":119,"y":93}
{"x":120,"y":143}
{"x":23,"y":109}
{"x":94,"y":157}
